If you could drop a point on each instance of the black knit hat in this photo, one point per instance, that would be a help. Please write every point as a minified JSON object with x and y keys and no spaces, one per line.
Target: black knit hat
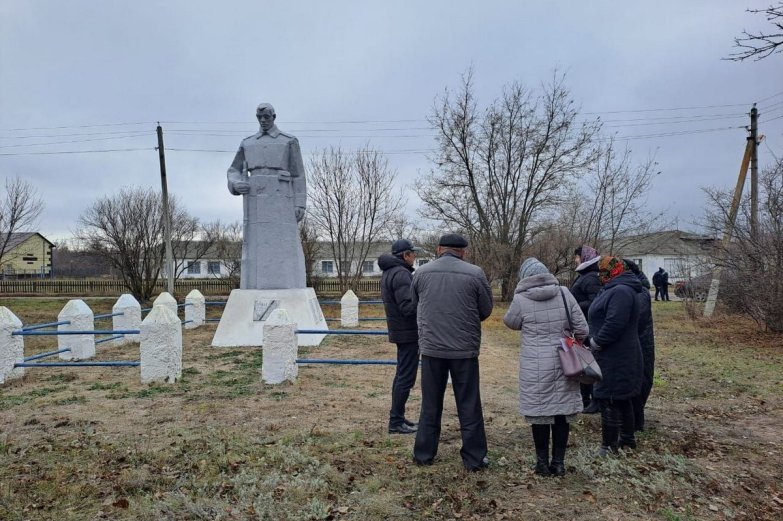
{"x":453,"y":240}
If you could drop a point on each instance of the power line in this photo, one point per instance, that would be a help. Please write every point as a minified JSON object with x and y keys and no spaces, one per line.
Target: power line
{"x":75,"y":152}
{"x":78,"y":134}
{"x":79,"y":126}
{"x":74,"y":141}
{"x":770,"y":97}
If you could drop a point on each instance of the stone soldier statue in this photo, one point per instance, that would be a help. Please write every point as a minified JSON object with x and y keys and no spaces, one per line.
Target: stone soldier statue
{"x":269,"y":174}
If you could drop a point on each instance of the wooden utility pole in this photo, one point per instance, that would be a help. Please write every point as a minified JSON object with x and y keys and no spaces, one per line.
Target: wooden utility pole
{"x":712,"y":296}
{"x":166,"y":212}
{"x":754,"y":172}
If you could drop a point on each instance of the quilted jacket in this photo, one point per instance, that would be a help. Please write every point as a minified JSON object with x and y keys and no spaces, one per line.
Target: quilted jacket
{"x":539,"y":313}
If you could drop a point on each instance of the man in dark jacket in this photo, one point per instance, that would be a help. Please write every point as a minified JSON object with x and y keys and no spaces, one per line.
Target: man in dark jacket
{"x":453,"y":298}
{"x":401,"y":320}
{"x":661,"y":283}
{"x":584,"y":289}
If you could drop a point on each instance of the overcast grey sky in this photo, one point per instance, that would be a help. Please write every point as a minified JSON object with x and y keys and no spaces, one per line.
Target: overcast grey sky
{"x":98,"y":75}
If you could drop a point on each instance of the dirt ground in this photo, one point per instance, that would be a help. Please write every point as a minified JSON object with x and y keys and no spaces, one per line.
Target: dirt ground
{"x":94,"y":443}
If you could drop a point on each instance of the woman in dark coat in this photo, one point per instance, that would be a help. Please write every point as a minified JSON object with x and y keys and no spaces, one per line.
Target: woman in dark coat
{"x":614,"y":338}
{"x":584,"y":289}
{"x":647,"y":340}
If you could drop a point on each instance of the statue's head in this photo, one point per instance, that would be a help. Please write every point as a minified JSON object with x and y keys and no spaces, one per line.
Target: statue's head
{"x":265,"y":113}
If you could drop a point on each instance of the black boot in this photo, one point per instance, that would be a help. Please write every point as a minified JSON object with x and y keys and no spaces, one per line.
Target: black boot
{"x":610,"y":429}
{"x":627,"y":430}
{"x":560,"y":432}
{"x":541,"y":441}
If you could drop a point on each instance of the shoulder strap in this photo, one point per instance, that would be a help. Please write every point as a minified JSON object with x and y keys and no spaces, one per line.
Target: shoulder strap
{"x":568,"y":313}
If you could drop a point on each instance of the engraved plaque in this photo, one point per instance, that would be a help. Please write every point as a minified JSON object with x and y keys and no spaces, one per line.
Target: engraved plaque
{"x":263,"y":308}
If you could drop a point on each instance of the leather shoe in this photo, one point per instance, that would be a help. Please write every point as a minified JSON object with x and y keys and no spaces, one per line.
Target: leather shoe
{"x":481,"y":466}
{"x":592,"y":408}
{"x":409,"y":423}
{"x":402,"y":429}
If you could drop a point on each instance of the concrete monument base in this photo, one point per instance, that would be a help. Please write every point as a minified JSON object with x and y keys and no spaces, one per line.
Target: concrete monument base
{"x":242,"y":323}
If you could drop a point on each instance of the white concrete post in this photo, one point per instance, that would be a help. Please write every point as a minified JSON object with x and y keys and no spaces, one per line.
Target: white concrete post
{"x":349,"y":309}
{"x":280,"y":349}
{"x":195,"y":309}
{"x":80,"y":318}
{"x":11,"y":347}
{"x":130,"y":318}
{"x":161,"y":346}
{"x":165,"y":299}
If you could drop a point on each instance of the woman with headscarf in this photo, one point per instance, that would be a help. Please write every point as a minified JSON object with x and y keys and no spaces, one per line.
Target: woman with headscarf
{"x":614,"y":339}
{"x":547,"y":399}
{"x":584,"y":289}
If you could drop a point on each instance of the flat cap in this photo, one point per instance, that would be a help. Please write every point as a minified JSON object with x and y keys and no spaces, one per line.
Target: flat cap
{"x":402,"y":245}
{"x":453,"y":240}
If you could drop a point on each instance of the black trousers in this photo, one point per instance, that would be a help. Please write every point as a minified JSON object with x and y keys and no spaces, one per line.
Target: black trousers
{"x":404,"y":378}
{"x":665,"y":291}
{"x":465,"y":382}
{"x":658,"y":291}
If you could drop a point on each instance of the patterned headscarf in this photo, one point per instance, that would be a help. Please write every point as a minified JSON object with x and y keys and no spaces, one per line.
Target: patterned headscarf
{"x":609,"y":268}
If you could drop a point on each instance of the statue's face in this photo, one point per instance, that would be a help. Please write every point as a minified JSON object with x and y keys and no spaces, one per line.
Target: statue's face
{"x":266,"y":119}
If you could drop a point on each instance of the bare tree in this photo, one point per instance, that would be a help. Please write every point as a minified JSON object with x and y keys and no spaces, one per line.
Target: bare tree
{"x":191,"y":240}
{"x":309,"y":237}
{"x":610,"y":202}
{"x":351,"y":199}
{"x":760,"y":45}
{"x":127,"y":230}
{"x":20,"y":208}
{"x":225,"y":241}
{"x":501,"y":169}
{"x":754,"y":261}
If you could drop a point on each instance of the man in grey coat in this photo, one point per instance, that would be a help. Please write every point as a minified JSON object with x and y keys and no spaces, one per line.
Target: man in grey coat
{"x":453,"y":297}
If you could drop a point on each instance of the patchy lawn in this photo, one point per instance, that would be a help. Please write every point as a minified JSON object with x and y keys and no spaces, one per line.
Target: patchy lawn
{"x":93,"y":443}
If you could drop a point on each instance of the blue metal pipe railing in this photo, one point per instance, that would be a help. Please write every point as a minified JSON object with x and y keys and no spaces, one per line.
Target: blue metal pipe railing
{"x":216,"y":303}
{"x":78,"y":364}
{"x":212,"y":320}
{"x":344,"y":362}
{"x":44,"y":355}
{"x":102,"y":340}
{"x":107,"y":315}
{"x":340,"y":332}
{"x":187,"y":321}
{"x":95,"y":332}
{"x":41,"y":326}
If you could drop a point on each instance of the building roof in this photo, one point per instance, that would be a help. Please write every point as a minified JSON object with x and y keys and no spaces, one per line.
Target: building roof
{"x":676,"y":243}
{"x":18,"y":238}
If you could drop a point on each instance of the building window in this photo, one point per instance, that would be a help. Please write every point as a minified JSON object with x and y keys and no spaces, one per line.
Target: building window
{"x":213,"y":267}
{"x":422,"y":262}
{"x":327,"y":267}
{"x":194,"y":268}
{"x":367,"y":267}
{"x":639,"y":263}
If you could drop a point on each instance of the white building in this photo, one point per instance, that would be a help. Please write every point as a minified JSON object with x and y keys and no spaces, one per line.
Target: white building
{"x":682,"y":254}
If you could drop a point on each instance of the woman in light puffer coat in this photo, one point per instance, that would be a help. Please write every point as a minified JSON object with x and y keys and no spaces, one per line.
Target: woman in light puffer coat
{"x":547,"y":399}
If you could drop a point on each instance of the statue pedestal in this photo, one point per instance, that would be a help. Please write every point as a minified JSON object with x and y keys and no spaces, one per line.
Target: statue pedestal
{"x":242,"y":323}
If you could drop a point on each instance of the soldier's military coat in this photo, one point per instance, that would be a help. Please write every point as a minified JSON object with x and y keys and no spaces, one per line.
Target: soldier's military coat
{"x":272,"y":256}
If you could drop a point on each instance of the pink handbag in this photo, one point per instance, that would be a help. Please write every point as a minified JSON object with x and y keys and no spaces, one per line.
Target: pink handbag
{"x":577,"y":361}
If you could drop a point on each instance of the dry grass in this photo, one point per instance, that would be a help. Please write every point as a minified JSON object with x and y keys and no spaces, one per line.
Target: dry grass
{"x":96,"y":444}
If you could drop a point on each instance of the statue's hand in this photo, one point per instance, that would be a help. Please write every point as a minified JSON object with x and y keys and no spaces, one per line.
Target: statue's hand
{"x":300,"y":213}
{"x":242,"y":187}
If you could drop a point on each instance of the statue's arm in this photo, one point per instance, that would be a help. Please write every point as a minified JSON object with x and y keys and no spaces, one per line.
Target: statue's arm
{"x":237,"y":172}
{"x":296,"y":167}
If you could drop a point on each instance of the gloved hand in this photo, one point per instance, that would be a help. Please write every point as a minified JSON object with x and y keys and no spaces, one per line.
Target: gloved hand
{"x":593,"y":345}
